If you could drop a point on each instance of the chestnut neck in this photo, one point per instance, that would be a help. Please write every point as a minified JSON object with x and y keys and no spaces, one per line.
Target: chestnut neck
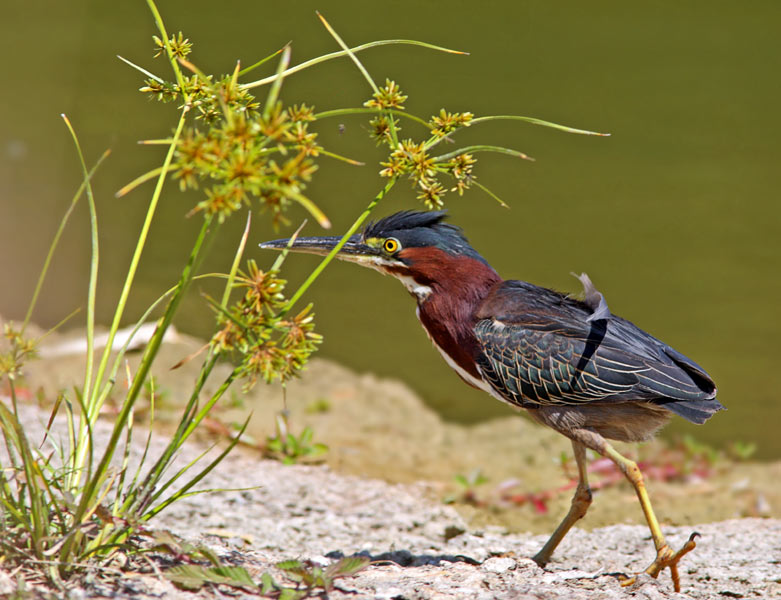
{"x":458,"y":286}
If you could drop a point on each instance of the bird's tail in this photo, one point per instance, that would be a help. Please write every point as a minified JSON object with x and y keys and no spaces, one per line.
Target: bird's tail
{"x":696,"y":411}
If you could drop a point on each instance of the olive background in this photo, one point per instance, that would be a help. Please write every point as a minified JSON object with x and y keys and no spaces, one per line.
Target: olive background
{"x":675,"y":217}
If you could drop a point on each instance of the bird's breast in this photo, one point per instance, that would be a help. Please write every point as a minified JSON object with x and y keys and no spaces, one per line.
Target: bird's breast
{"x":476,"y":381}
{"x":468,"y":377}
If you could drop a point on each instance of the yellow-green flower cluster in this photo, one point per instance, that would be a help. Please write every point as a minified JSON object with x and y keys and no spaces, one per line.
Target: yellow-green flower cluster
{"x":19,"y":350}
{"x":446,"y":122}
{"x":180,"y":46}
{"x":270,"y":345}
{"x":237,"y":151}
{"x":245,"y":157}
{"x":414,"y":159}
{"x":389,"y":96}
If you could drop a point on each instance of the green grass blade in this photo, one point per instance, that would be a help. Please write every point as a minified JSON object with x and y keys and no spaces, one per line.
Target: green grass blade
{"x":164,"y":36}
{"x":339,"y":112}
{"x":263,"y":61}
{"x":93,"y":285}
{"x":339,"y":157}
{"x":119,"y":488}
{"x":159,"y":490}
{"x":349,"y":52}
{"x":56,"y":240}
{"x":156,"y":471}
{"x":141,"y":69}
{"x":197,"y":478}
{"x":236,"y":261}
{"x":154,"y":344}
{"x":134,"y":262}
{"x":481,"y":148}
{"x":534,"y":121}
{"x":362,"y":69}
{"x":59,"y":324}
{"x":38,"y":523}
{"x":53,"y":503}
{"x":155,"y":142}
{"x":142,"y":460}
{"x":143,"y":319}
{"x":283,"y":255}
{"x":144,"y":178}
{"x":201,"y":414}
{"x":273,"y":93}
{"x":326,"y":57}
{"x":490,"y":193}
{"x":88,"y":440}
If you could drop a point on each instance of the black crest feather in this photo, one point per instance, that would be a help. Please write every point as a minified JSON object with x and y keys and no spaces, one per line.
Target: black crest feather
{"x":406,"y":219}
{"x":414,"y":228}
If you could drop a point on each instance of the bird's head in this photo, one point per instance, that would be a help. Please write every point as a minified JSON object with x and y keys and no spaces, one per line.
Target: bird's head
{"x":418,"y":248}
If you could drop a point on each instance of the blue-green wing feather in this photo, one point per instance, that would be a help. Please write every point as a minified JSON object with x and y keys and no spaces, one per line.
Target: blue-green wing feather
{"x":538,"y":348}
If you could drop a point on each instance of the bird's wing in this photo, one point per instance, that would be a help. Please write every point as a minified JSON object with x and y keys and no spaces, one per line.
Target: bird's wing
{"x":538,"y":347}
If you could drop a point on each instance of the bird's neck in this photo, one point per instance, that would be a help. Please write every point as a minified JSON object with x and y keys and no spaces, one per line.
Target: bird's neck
{"x":448,"y":295}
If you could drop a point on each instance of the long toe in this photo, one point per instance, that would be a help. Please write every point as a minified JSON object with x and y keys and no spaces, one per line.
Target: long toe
{"x":666,"y":558}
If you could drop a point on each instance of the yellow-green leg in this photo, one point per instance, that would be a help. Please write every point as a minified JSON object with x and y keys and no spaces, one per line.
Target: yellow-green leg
{"x":665,"y":557}
{"x":580,"y":503}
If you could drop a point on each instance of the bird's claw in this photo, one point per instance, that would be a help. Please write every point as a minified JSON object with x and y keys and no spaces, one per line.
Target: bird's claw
{"x":665,"y":558}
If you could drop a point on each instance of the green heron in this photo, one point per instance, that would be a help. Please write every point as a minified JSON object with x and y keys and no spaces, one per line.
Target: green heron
{"x":571,"y":364}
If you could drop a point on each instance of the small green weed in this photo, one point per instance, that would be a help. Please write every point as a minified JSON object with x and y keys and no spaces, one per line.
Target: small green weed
{"x":306,"y":578}
{"x":321,"y":405}
{"x":309,"y":577}
{"x":738,"y":450}
{"x":468,"y":485}
{"x":289,"y":448}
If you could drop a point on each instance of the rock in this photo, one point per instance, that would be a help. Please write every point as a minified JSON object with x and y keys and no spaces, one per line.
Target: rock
{"x":498,"y":565}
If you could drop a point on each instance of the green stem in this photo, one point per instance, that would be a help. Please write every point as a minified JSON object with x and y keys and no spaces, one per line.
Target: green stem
{"x":236,"y":261}
{"x":92,"y":289}
{"x":91,"y":488}
{"x":94,"y":403}
{"x":338,"y":112}
{"x":169,"y":51}
{"x":183,"y":491}
{"x":150,"y":213}
{"x":349,"y":161}
{"x":56,"y":241}
{"x":138,"y":497}
{"x":146,"y":176}
{"x":365,"y":73}
{"x":273,"y":93}
{"x":534,"y":121}
{"x":141,"y":69}
{"x":324,"y":263}
{"x":246,"y":70}
{"x":325,"y":57}
{"x":480,"y":148}
{"x":95,"y":400}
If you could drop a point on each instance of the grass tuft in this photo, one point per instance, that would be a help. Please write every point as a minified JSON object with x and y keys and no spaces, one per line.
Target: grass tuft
{"x":70,"y":503}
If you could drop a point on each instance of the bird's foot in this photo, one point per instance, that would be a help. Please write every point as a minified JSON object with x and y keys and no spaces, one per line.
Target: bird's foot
{"x":665,"y":558}
{"x":541,"y":559}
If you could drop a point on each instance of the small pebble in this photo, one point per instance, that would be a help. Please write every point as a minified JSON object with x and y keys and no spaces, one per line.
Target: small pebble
{"x":498,"y":565}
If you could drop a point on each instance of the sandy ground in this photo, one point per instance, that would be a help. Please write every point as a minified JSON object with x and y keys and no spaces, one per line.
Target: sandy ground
{"x":312,"y":512}
{"x":390,"y":463}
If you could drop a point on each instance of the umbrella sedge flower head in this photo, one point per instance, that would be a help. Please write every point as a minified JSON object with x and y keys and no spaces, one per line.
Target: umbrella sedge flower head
{"x":268,"y":343}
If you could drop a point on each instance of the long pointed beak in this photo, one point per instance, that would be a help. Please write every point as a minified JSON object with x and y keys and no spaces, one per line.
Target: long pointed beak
{"x":354,"y":249}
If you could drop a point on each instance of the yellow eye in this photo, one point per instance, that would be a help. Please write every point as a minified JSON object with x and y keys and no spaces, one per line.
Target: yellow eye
{"x":391,"y":245}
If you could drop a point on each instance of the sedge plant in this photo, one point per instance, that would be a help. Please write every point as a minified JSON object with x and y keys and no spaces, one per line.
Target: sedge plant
{"x":70,"y":502}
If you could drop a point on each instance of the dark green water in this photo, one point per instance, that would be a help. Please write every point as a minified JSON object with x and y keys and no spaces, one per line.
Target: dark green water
{"x":676,"y":217}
